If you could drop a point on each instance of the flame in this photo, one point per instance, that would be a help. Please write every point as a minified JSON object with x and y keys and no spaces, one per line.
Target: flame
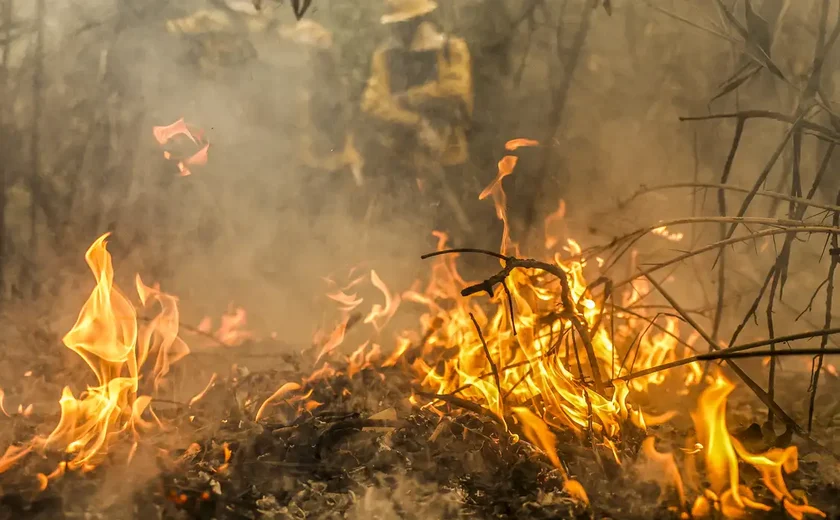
{"x":282,"y":391}
{"x":107,"y":337}
{"x":513,"y":144}
{"x":380,"y":315}
{"x":557,"y":216}
{"x":164,"y":134}
{"x":538,"y":433}
{"x":669,"y":235}
{"x":506,"y":166}
{"x":664,"y":469}
{"x":721,"y":457}
{"x":198,"y":397}
{"x":231,"y":331}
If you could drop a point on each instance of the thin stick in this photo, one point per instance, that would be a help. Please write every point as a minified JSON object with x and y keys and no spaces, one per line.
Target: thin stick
{"x":493,"y":366}
{"x":771,"y":332}
{"x":510,"y":307}
{"x":724,"y":243}
{"x":829,"y":300}
{"x":724,"y":178}
{"x":745,"y":204}
{"x":731,"y":350}
{"x":729,"y":187}
{"x":821,"y":132}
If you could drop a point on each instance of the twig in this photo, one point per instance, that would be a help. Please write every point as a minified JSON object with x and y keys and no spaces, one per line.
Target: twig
{"x":771,"y":332}
{"x":724,"y":178}
{"x":729,"y":187}
{"x":829,"y":300}
{"x":510,"y":307}
{"x":723,"y":354}
{"x":820,"y":131}
{"x":465,"y":404}
{"x":724,"y":243}
{"x":731,"y":350}
{"x":766,"y":171}
{"x":493,"y":366}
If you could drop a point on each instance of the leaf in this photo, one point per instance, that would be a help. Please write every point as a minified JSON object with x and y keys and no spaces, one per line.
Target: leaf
{"x":758,"y":29}
{"x":300,"y":7}
{"x":754,"y":47}
{"x":738,"y":79}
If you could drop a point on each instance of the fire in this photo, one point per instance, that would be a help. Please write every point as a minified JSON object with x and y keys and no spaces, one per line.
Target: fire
{"x":109,"y":338}
{"x":539,"y":364}
{"x":164,"y":134}
{"x":722,"y":454}
{"x":231,"y":331}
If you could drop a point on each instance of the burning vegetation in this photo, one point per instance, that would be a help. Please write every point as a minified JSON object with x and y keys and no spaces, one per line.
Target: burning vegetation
{"x":533,"y":376}
{"x":557,"y":380}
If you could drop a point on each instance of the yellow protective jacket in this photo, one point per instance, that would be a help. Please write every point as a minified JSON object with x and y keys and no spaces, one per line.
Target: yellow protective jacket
{"x":452,"y":83}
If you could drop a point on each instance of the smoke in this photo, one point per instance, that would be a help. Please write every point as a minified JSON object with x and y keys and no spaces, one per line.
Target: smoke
{"x":257,"y":228}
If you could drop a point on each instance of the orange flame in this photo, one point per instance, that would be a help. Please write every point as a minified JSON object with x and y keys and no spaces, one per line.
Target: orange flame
{"x":163,"y":134}
{"x":107,"y":337}
{"x":721,"y":462}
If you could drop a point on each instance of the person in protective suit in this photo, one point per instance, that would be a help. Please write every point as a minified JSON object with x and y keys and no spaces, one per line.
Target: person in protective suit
{"x":219,"y":35}
{"x":419,"y":101}
{"x":326,"y":141}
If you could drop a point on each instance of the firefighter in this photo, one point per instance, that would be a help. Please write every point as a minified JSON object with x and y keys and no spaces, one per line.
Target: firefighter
{"x":325,"y":140}
{"x":419,"y":100}
{"x":219,"y":35}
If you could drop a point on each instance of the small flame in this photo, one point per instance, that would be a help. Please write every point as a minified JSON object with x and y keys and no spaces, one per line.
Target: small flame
{"x":664,"y":469}
{"x":557,"y":216}
{"x":663,"y":232}
{"x":231,"y":331}
{"x":207,"y":388}
{"x":513,"y":144}
{"x":164,"y":134}
{"x":281,"y":392}
{"x":721,"y":461}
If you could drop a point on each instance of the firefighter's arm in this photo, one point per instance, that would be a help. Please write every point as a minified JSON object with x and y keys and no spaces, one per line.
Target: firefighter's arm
{"x":377,"y":99}
{"x":455,"y":79}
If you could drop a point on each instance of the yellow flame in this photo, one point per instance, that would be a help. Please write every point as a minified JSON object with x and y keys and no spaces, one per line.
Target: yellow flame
{"x":721,"y":456}
{"x":107,"y":337}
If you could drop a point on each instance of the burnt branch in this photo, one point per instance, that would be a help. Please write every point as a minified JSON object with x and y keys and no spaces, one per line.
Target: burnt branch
{"x":829,"y":300}
{"x":493,"y":366}
{"x":569,"y":307}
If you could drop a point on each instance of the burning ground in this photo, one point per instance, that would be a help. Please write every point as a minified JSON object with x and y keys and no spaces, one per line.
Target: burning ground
{"x":544,"y":390}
